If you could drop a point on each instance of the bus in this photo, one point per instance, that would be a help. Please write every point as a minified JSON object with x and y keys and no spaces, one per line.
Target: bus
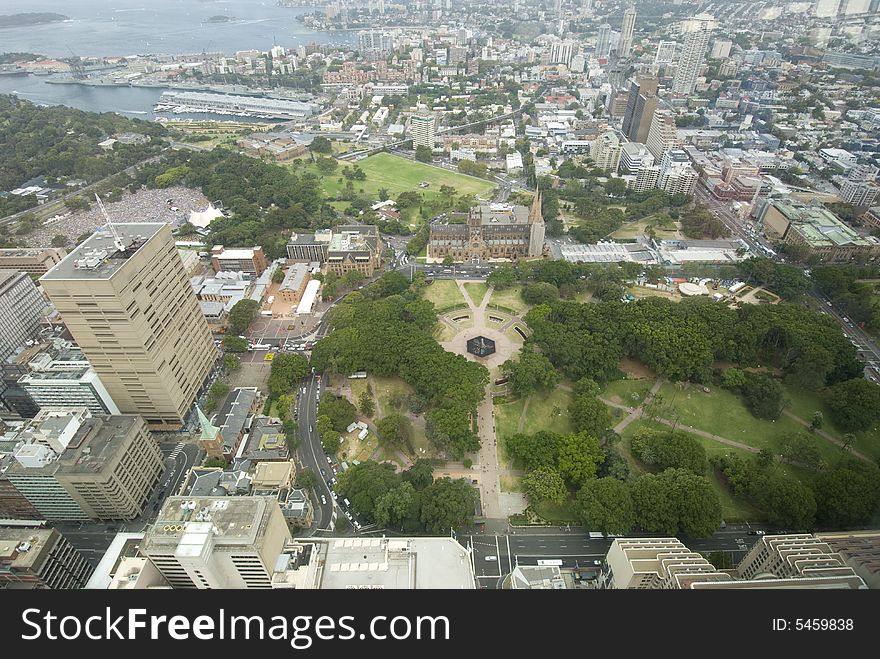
{"x":547,"y":561}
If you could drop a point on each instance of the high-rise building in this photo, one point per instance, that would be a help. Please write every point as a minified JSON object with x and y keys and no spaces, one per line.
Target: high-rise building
{"x":667,"y":51}
{"x":374,"y":43}
{"x":826,"y":8}
{"x":693,"y":53}
{"x":35,"y":558}
{"x":21,"y":309}
{"x":676,"y":174}
{"x":721,"y":49}
{"x":603,"y":41}
{"x":790,"y":556}
{"x":126,"y":299}
{"x":640,"y":106}
{"x":217,"y":542}
{"x":605,"y":151}
{"x":73,"y":466}
{"x":562,"y":52}
{"x":422,"y":127}
{"x":624,"y":45}
{"x":663,"y":135}
{"x":32,"y":261}
{"x":859,"y":193}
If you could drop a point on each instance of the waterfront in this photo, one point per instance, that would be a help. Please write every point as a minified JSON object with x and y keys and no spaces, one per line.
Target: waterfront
{"x":131,"y":27}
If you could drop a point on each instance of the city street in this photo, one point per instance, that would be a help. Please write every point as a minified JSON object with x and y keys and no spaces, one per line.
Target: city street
{"x":312,"y":454}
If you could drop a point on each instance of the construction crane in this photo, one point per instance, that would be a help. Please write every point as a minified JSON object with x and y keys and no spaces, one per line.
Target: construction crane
{"x":76,"y":65}
{"x":117,"y":239}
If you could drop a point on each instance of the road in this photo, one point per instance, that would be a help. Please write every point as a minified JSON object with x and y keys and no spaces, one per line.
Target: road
{"x":312,"y":454}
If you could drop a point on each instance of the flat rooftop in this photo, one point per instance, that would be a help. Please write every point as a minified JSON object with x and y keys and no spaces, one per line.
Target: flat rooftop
{"x":233,"y":521}
{"x":98,"y":258}
{"x":12,"y":538}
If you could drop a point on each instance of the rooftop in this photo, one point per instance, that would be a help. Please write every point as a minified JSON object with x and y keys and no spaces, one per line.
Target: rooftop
{"x":820,"y":227}
{"x":98,"y":256}
{"x":233,"y":521}
{"x":20,"y":548}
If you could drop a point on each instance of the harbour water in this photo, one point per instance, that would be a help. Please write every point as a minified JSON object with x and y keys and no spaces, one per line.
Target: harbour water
{"x":132,"y":27}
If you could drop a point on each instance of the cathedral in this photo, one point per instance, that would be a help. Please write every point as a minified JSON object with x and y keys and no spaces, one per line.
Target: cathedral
{"x":490,"y":232}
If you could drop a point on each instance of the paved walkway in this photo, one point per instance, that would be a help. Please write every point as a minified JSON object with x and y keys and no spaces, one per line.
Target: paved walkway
{"x":829,"y":437}
{"x":634,"y":412}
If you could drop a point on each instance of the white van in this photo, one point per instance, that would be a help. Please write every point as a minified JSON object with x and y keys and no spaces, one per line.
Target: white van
{"x":491,"y":558}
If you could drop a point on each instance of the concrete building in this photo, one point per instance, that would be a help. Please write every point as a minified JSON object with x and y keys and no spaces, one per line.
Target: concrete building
{"x":603,"y":41}
{"x":818,"y":229}
{"x":667,"y":52}
{"x":61,"y":376}
{"x":32,"y":261}
{"x":294,"y":283}
{"x":624,"y":44}
{"x":21,"y":310}
{"x":355,"y":247}
{"x":126,"y":299}
{"x":310,"y":247}
{"x":640,"y":106}
{"x":826,"y":8}
{"x":221,"y":437}
{"x":635,"y":156}
{"x":693,"y":54}
{"x":655,"y":563}
{"x":859,"y":193}
{"x":562,"y":52}
{"x":801,"y":556}
{"x":422,"y":129}
{"x":106,"y":468}
{"x":663,"y":135}
{"x":537,"y":577}
{"x":252,"y":261}
{"x":720,"y":49}
{"x":217,"y":542}
{"x":37,"y":558}
{"x":860,"y":550}
{"x":492,"y":231}
{"x":606,"y":151}
{"x":676,"y":174}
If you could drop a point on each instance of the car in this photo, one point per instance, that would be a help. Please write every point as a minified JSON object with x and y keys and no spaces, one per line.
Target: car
{"x":323,"y":499}
{"x":491,"y":558}
{"x":357,"y":525}
{"x":311,"y":428}
{"x":348,"y":514}
{"x":323,"y":473}
{"x":757,"y":532}
{"x":329,"y":460}
{"x":597,"y":562}
{"x":334,"y":495}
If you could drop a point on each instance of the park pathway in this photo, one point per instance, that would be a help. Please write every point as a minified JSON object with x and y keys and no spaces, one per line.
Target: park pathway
{"x":831,"y":438}
{"x":634,"y":412}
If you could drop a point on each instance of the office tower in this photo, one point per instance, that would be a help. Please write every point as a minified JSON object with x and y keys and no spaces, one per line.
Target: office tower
{"x":71,"y":465}
{"x":826,"y":8}
{"x":562,"y":52}
{"x":662,"y":135}
{"x":422,"y":128}
{"x":21,"y":309}
{"x":720,"y":49}
{"x":217,"y":542}
{"x":605,"y":151}
{"x":640,"y":106}
{"x":676,"y":174}
{"x":603,"y":41}
{"x":35,"y":558}
{"x":624,"y":46}
{"x":32,"y":261}
{"x":638,"y":163}
{"x":126,"y":299}
{"x":694,"y":52}
{"x":667,"y":52}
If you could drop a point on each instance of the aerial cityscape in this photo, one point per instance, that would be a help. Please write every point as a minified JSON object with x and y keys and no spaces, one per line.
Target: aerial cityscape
{"x":440,"y":294}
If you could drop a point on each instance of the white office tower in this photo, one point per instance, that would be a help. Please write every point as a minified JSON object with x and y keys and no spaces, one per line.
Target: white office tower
{"x":624,"y":45}
{"x":605,"y":151}
{"x":676,"y":174}
{"x":422,"y":128}
{"x":663,"y":135}
{"x":696,"y":43}
{"x":603,"y":41}
{"x":826,"y":8}
{"x":562,"y":52}
{"x":667,"y":51}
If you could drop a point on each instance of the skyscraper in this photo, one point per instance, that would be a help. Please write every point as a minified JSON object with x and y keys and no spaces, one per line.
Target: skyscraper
{"x":624,"y":46}
{"x":603,"y":41}
{"x":562,"y":52}
{"x":696,"y":43}
{"x":666,"y":52}
{"x":640,"y":106}
{"x":21,"y":308}
{"x":422,"y":128}
{"x":126,"y":299}
{"x":663,"y":134}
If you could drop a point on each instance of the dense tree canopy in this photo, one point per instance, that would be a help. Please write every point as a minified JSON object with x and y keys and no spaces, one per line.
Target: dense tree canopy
{"x":448,"y":504}
{"x":676,"y":501}
{"x":242,"y":314}
{"x":544,"y":484}
{"x":339,"y":410}
{"x":848,"y":495}
{"x":664,"y":449}
{"x":532,"y":372}
{"x":287,"y":370}
{"x":395,"y":432}
{"x":605,"y":505}
{"x":855,"y":404}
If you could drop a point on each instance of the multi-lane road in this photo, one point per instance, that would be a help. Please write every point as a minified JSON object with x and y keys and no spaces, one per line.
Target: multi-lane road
{"x":312,"y":454}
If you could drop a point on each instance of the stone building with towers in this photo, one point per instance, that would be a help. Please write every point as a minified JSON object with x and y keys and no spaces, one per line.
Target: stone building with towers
{"x":489,"y":232}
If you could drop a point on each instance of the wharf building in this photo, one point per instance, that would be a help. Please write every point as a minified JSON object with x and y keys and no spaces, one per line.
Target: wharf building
{"x":125,"y":297}
{"x":491,"y":232}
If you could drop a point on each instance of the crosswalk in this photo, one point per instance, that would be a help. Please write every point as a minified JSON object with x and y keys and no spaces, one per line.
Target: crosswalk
{"x":177,"y":449}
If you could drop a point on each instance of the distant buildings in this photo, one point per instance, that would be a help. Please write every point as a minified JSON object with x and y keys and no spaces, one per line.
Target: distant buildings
{"x":640,"y":106}
{"x":253,"y":260}
{"x":311,"y":247}
{"x":624,"y":45}
{"x":293,"y":286}
{"x":818,"y":230}
{"x":21,"y":310}
{"x":603,"y":41}
{"x":492,"y":231}
{"x":32,"y":261}
{"x":220,"y":438}
{"x":37,"y":558}
{"x":663,"y":135}
{"x":422,"y":128}
{"x":126,"y":299}
{"x":693,"y":54}
{"x":676,"y":175}
{"x":606,"y":151}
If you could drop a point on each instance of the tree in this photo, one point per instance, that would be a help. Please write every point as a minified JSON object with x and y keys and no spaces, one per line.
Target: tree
{"x":544,"y":484}
{"x":803,"y":449}
{"x":395,"y":506}
{"x":579,"y":456}
{"x":669,"y":449}
{"x":589,"y":415}
{"x":763,"y":396}
{"x":278,"y":276}
{"x":330,"y":441}
{"x":787,"y":501}
{"x":448,"y":427}
{"x":676,"y":501}
{"x":854,"y":404}
{"x":532,"y":372}
{"x":340,"y":411}
{"x":306,"y":478}
{"x":321,"y":145}
{"x":423,"y":153}
{"x":231,"y":363}
{"x":232,"y":343}
{"x":501,"y":277}
{"x":448,"y":260}
{"x":421,"y":474}
{"x":817,"y":420}
{"x":216,"y":394}
{"x":448,"y":504}
{"x":326,"y":165}
{"x":540,"y":293}
{"x":59,"y":241}
{"x":395,"y":432}
{"x":216,"y":462}
{"x":365,"y":483}
{"x":287,"y":370}
{"x":848,"y":494}
{"x":534,"y":451}
{"x":365,"y":403}
{"x":352,"y":277}
{"x":605,"y":504}
{"x":242,"y":315}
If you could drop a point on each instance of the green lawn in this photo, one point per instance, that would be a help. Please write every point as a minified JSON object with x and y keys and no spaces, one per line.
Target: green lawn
{"x":555,"y":513}
{"x":510,"y":298}
{"x":398,"y":175}
{"x":539,"y":416}
{"x":476,"y":290}
{"x":443,"y":293}
{"x":627,"y":392}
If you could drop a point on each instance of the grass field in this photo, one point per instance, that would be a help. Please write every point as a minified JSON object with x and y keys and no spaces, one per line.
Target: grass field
{"x":539,"y":416}
{"x":398,"y":175}
{"x":637,"y":228}
{"x":627,"y":392}
{"x":557,"y":514}
{"x":510,"y":298}
{"x":476,"y":290}
{"x":443,"y":293}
